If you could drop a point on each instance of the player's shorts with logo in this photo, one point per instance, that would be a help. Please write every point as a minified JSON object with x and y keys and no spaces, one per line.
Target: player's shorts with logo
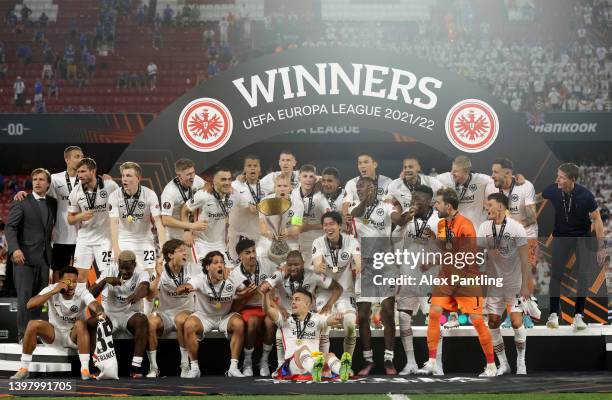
{"x":85,"y":254}
{"x":119,"y":320}
{"x":62,"y":339}
{"x":168,"y":318}
{"x":214,"y":323}
{"x":145,"y":254}
{"x":413,"y":303}
{"x":498,"y":304}
{"x":374,"y":283}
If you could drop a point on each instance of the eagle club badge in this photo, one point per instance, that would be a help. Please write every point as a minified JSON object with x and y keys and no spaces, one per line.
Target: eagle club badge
{"x":472,"y":125}
{"x":205,"y":124}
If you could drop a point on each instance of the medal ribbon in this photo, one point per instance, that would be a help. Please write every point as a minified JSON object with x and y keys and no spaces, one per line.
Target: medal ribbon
{"x":567,"y":207}
{"x":497,"y":240}
{"x":222,"y":203}
{"x":248,"y":275}
{"x":68,"y":184}
{"x":464,"y":187}
{"x":256,"y":196}
{"x":216,"y":296}
{"x":418,"y":231}
{"x":181,"y":190}
{"x":299,"y":328}
{"x":91,"y":200}
{"x":130,"y":209}
{"x":178,"y":281}
{"x":333,"y":251}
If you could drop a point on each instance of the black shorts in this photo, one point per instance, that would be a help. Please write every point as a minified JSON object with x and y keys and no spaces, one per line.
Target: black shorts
{"x":63,"y":256}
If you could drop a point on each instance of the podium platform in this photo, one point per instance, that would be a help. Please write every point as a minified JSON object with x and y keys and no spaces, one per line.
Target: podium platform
{"x":547,"y":350}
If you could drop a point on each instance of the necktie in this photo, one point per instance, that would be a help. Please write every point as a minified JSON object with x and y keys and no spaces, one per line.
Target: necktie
{"x":44,"y":211}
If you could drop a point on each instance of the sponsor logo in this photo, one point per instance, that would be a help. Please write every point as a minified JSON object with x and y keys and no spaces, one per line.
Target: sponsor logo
{"x":103,"y":194}
{"x":141,"y":205}
{"x":205,"y":124}
{"x":515,"y":197}
{"x":229,"y":287}
{"x":74,"y":308}
{"x":472,"y":125}
{"x":344,"y":256}
{"x":380,"y":211}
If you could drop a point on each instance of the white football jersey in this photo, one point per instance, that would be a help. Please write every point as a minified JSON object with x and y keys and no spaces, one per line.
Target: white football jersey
{"x":169,"y":300}
{"x":241,"y":220}
{"x":336,"y":199}
{"x":267,"y":182}
{"x":146,"y":208}
{"x":521,"y":197}
{"x":400,"y":190}
{"x":314,"y":207}
{"x":172,"y":199}
{"x":471,"y":195}
{"x":265,"y":269}
{"x":61,"y":187}
{"x":346,"y":255}
{"x":63,"y":313}
{"x":287,"y":287}
{"x":114,"y":297}
{"x":96,"y":230}
{"x":218,"y":302}
{"x":506,"y":263}
{"x":315,"y":325}
{"x":378,"y":222}
{"x":216,"y":212}
{"x":381,"y":184}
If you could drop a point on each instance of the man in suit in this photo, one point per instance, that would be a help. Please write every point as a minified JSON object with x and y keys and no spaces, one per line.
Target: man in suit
{"x":28,"y":233}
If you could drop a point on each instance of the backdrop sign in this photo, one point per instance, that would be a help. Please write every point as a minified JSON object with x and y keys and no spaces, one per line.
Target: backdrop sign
{"x":374,"y":90}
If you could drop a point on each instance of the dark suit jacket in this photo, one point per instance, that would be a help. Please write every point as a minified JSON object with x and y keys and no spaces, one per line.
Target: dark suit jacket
{"x":26,"y":231}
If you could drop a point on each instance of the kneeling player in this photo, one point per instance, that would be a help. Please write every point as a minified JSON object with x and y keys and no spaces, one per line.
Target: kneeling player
{"x":174,"y":308}
{"x":507,"y":258}
{"x":214,"y":297}
{"x":301,"y":334}
{"x":122,"y":289}
{"x":67,"y":326}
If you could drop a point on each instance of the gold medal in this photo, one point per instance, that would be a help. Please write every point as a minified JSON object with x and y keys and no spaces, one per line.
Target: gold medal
{"x":365,"y":221}
{"x":507,"y":212}
{"x":218,"y":305}
{"x":130,"y":218}
{"x":335,"y":269}
{"x":299,"y":342}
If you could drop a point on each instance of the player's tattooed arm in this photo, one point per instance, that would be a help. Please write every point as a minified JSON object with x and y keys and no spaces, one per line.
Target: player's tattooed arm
{"x":530,"y":215}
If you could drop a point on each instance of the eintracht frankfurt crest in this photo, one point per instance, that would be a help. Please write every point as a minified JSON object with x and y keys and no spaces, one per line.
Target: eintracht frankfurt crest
{"x":472,"y":125}
{"x":205,"y":124}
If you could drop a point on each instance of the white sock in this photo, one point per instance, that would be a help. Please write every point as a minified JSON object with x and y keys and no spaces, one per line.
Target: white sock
{"x":520,"y":340}
{"x":136,"y":362}
{"x":388,"y":355}
{"x":194,"y":365}
{"x":498,"y":345}
{"x":324,"y":344}
{"x":233,"y":363}
{"x":84,"y":358}
{"x":406,"y":335}
{"x":248,"y":357}
{"x":350,"y":340}
{"x":334,"y":364}
{"x":267,"y":348}
{"x":26,"y":359}
{"x":368,"y":355}
{"x":147,"y":307}
{"x":152,"y":358}
{"x":280,"y":350}
{"x":307,"y":361}
{"x":184,"y":356}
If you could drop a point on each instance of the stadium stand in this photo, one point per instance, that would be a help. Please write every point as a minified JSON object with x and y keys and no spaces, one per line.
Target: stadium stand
{"x":495,"y":47}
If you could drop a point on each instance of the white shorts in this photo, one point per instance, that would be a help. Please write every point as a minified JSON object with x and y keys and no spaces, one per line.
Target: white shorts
{"x":167,"y":318}
{"x":211,"y":323}
{"x":200,"y":250}
{"x":145,"y":254}
{"x":85,"y":254}
{"x":413,"y":304}
{"x":62,"y":338}
{"x":120,"y":320}
{"x":497,"y":305}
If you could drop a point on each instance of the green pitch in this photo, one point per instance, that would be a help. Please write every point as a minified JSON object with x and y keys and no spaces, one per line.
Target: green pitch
{"x":530,"y":396}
